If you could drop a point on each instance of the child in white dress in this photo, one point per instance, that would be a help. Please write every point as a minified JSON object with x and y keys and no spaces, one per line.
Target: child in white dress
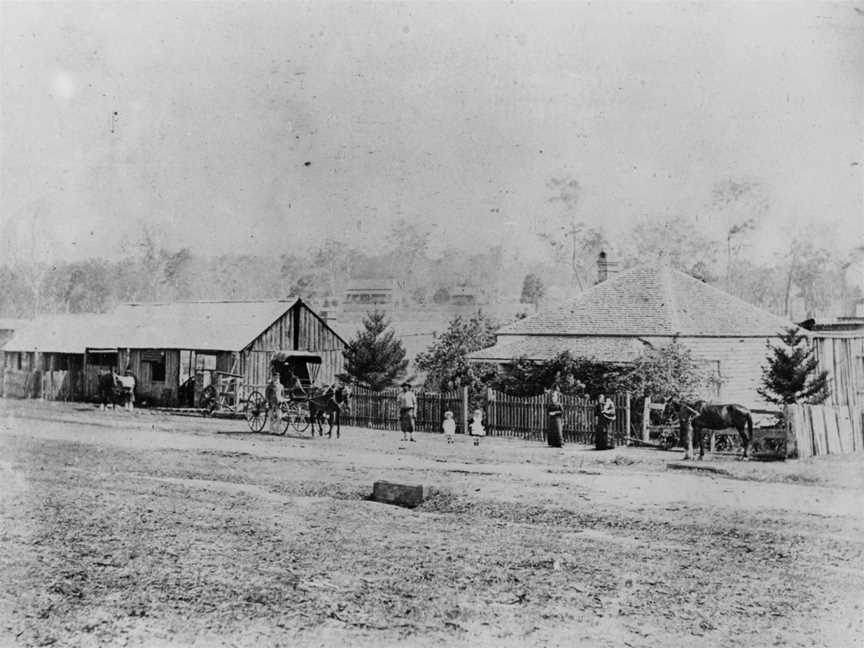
{"x":477,"y":429}
{"x":449,"y":427}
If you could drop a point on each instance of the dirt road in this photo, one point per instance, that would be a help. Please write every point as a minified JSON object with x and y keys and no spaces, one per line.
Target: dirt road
{"x":150,"y":530}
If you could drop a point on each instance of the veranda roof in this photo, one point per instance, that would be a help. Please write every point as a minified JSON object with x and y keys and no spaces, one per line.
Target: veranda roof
{"x":607,"y":349}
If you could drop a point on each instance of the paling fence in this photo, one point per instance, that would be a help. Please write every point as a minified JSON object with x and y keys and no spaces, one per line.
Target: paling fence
{"x":379,"y":409}
{"x":22,"y":384}
{"x":815,"y":430}
{"x":48,"y":385}
{"x":59,"y":385}
{"x":527,"y":417}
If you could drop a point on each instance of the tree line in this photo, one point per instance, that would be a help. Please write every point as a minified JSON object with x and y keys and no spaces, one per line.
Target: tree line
{"x":804,"y":280}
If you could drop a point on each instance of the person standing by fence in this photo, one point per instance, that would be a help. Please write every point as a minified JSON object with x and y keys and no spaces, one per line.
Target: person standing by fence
{"x":605,"y":411}
{"x":555,"y":434}
{"x":407,"y":406}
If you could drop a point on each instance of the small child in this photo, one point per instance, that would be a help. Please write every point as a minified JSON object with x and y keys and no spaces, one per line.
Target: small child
{"x":476,"y":426}
{"x":449,"y":427}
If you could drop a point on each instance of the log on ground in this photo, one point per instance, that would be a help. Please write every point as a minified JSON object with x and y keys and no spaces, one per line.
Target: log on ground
{"x":408,"y":495}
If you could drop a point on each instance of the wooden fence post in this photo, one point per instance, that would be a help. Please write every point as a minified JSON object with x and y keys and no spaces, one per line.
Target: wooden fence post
{"x":465,"y":409}
{"x":627,"y":418}
{"x":646,"y":418}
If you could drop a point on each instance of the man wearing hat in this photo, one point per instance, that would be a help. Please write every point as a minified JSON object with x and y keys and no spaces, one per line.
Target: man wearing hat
{"x":407,"y":405}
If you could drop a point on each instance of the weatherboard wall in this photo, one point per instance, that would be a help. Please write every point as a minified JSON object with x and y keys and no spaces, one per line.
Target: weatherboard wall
{"x":147,"y":388}
{"x":298,"y":329}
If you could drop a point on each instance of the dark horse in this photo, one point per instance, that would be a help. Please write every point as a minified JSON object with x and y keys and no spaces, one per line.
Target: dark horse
{"x":330,"y":401}
{"x":697,"y":416}
{"x":115,"y":389}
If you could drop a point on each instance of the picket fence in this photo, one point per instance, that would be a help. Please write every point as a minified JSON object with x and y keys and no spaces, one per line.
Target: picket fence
{"x":824,"y":429}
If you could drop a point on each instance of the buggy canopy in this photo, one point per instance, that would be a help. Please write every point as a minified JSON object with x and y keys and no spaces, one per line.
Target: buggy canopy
{"x":302,"y":365}
{"x":281,"y":357}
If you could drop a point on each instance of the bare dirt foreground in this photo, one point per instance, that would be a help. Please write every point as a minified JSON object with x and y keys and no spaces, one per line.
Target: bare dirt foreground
{"x":150,"y":530}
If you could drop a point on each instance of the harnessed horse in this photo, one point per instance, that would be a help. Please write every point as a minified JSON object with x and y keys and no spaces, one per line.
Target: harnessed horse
{"x":115,"y":389}
{"x":698,"y":415}
{"x":330,"y":402}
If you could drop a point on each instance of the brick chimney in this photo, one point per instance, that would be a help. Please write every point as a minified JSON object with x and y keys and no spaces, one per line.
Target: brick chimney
{"x":605,"y":268}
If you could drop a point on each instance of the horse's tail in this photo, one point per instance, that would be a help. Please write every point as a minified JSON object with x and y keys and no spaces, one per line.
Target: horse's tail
{"x":749,"y":421}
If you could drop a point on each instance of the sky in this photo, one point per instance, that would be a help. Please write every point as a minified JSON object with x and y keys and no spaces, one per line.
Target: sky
{"x":264,"y":128}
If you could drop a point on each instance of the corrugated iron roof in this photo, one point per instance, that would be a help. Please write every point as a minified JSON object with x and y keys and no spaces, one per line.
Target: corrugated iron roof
{"x":608,"y":349}
{"x":11,"y":324}
{"x":61,"y":334}
{"x":205,"y":325}
{"x":652,"y":300}
{"x":213,"y":326}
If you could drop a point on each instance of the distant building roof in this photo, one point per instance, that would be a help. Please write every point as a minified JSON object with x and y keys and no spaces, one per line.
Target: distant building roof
{"x":609,"y":349}
{"x":201,"y":325}
{"x":652,"y":300}
{"x":463,"y":290}
{"x":367,"y":285}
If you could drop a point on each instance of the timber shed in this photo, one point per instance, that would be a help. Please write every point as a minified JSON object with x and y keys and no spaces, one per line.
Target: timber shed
{"x":651,"y":306}
{"x":165,"y":345}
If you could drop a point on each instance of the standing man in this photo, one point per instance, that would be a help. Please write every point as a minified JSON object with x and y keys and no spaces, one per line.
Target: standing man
{"x":275,"y":394}
{"x":407,"y":406}
{"x":555,"y":434}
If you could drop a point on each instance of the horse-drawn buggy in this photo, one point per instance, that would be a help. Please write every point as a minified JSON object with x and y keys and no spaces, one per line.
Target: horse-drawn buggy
{"x":293,"y":397}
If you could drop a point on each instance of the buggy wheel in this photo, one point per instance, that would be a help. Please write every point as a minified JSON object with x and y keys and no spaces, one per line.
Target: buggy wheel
{"x":300,"y":416}
{"x":287,"y":411}
{"x":209,"y":400}
{"x":256,"y":411}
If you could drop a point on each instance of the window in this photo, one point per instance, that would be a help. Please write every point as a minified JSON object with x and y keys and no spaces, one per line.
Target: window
{"x":102,"y":359}
{"x":205,"y":362}
{"x":157,"y":371}
{"x":156,"y":360}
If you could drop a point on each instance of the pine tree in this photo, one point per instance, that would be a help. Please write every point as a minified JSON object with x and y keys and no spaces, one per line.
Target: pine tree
{"x":375,"y":358}
{"x":790,"y":375}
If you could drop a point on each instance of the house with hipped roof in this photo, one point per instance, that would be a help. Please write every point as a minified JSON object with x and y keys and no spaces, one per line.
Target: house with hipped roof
{"x":650,"y":306}
{"x":167,"y":344}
